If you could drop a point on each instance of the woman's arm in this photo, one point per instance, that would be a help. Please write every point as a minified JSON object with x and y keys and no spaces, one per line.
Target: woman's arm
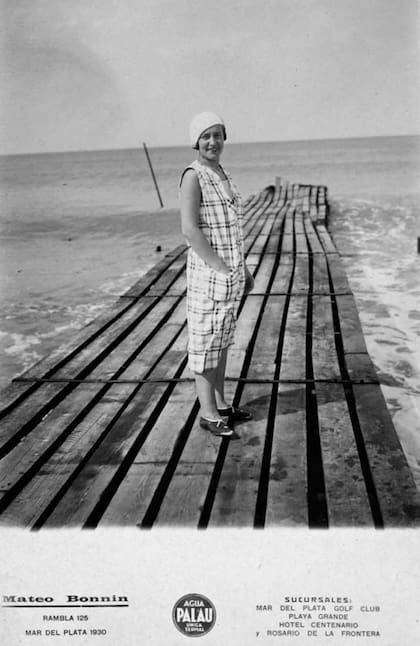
{"x":190,"y":210}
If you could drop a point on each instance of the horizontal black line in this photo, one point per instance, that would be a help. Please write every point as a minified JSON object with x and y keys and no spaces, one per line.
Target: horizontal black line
{"x":255,"y":380}
{"x":80,"y":605}
{"x":306,"y":294}
{"x":256,"y":294}
{"x":301,"y":253}
{"x":141,"y":296}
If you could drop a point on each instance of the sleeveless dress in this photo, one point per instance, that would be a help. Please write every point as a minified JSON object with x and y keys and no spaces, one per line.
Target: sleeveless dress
{"x":212,"y":297}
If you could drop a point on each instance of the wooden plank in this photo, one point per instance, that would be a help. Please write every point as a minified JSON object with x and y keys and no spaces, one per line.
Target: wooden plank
{"x":247,"y":320}
{"x":13,"y":394}
{"x":264,"y":274}
{"x":88,"y":489}
{"x":348,"y":502}
{"x":88,"y":333}
{"x":288,"y":243}
{"x":293,"y":360}
{"x":313,"y":213}
{"x":326,"y":240}
{"x":351,"y":328}
{"x":175,"y":283}
{"x":178,"y":288}
{"x":269,"y":223}
{"x":46,"y":482}
{"x":147,"y":313}
{"x":26,"y":455}
{"x":88,"y":355}
{"x":283,"y":191}
{"x":192,"y":483}
{"x":264,"y":352}
{"x":28,"y":414}
{"x":254,"y":201}
{"x":244,"y":329}
{"x":306,"y":200}
{"x":288,"y":223}
{"x":135,"y":493}
{"x":283,"y":274}
{"x":253,"y":223}
{"x":280,"y":214}
{"x":188,"y":488}
{"x":247,"y":227}
{"x":169,"y":277}
{"x":195,"y":487}
{"x":316,"y":246}
{"x":338,"y":273}
{"x":299,"y":228}
{"x":37,"y":404}
{"x":236,"y":494}
{"x":251,"y":237}
{"x":48,"y":364}
{"x":247,"y":201}
{"x":185,"y":497}
{"x":169,"y":312}
{"x":301,"y":276}
{"x":322,"y":194}
{"x":259,"y":244}
{"x":301,"y":243}
{"x":320,"y":282}
{"x":273,"y":242}
{"x":322,"y":215}
{"x":287,"y":498}
{"x":360,"y":367}
{"x":398,"y":496}
{"x":153,"y":275}
{"x":324,"y":354}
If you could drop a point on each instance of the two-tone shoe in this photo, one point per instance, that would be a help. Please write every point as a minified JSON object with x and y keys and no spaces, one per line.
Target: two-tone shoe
{"x":218,"y":427}
{"x":235,"y":414}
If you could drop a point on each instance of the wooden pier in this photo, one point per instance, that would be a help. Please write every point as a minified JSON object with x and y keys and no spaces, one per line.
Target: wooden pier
{"x":104,"y":431}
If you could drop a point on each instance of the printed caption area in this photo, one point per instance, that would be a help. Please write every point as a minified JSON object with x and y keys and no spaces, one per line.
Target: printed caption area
{"x":72,"y":616}
{"x":317,"y":618}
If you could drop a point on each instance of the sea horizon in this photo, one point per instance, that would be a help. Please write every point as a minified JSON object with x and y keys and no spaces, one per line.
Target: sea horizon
{"x":229,"y":143}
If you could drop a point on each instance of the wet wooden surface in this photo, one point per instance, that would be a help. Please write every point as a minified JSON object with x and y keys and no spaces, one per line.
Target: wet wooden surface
{"x":104,"y":431}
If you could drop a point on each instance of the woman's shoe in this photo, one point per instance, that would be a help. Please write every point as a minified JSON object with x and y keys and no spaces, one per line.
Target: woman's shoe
{"x":235,"y":414}
{"x":217,"y":427}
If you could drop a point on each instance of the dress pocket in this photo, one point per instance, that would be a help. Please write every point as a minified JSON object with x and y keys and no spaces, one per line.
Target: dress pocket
{"x":222,"y":287}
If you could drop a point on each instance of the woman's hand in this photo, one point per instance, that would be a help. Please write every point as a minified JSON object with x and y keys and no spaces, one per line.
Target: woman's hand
{"x":249,"y":281}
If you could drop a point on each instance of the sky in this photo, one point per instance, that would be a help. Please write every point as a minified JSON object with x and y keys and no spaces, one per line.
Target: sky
{"x":101,"y":74}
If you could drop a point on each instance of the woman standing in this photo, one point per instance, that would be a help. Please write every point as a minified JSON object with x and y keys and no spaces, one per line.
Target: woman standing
{"x":217,"y":276}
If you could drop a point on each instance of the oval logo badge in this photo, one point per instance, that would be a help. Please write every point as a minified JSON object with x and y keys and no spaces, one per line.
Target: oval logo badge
{"x":194,"y":615}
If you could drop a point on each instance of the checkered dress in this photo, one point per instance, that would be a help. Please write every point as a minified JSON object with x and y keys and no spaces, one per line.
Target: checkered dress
{"x":212,"y":297}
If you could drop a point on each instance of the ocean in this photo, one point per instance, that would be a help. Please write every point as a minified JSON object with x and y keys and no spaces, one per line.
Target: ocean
{"x":78,"y":228}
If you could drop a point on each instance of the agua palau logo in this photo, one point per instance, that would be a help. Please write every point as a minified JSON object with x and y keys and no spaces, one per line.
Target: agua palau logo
{"x":194,"y":615}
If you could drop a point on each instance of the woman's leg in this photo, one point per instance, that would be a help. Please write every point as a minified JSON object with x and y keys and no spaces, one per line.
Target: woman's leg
{"x":205,"y":383}
{"x":220,"y":380}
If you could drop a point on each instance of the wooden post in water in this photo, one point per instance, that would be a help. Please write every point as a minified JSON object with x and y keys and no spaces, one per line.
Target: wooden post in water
{"x":153,"y":174}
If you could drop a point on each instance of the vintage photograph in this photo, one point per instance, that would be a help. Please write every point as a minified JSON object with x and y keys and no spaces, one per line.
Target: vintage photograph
{"x":210,"y":250}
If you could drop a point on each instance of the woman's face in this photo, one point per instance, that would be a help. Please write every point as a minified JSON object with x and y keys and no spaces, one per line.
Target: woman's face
{"x":211,"y":143}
